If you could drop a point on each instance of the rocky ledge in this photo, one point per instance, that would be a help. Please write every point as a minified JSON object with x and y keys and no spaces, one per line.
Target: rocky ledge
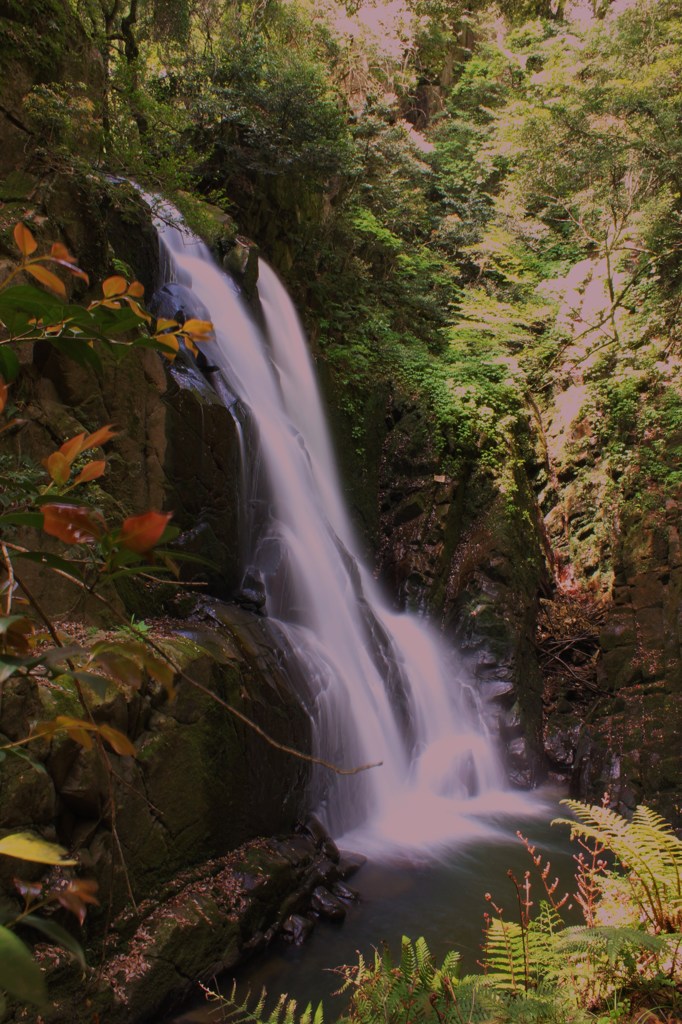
{"x":205,"y":921}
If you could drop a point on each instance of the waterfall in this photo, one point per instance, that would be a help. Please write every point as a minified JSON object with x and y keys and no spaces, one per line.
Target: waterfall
{"x":381,"y":686}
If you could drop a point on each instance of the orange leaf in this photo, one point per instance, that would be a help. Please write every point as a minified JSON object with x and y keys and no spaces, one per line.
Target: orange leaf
{"x":73,"y":447}
{"x":136,"y":290}
{"x":4,"y":391}
{"x":60,"y":252}
{"x":73,"y":524}
{"x":76,"y":271}
{"x":93,"y":471}
{"x":200,"y":330}
{"x":141,"y":533}
{"x":78,"y":893}
{"x":59,"y":467}
{"x":72,"y":268}
{"x":163,"y":325}
{"x":26,"y":243}
{"x":139,"y":311}
{"x":114,"y":286}
{"x":47,"y":278}
{"x":117,"y":741}
{"x":100,"y":436}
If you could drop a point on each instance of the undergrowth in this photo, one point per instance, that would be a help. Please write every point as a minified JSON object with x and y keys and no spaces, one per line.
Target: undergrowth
{"x":623,"y":964}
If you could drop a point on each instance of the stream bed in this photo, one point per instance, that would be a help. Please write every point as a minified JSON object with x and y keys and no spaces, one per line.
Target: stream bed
{"x":441,"y":898}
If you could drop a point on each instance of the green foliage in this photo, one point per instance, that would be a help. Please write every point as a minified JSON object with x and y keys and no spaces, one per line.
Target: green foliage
{"x":95,"y":552}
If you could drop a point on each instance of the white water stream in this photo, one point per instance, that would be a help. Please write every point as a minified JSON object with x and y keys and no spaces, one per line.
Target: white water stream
{"x":381,"y":685}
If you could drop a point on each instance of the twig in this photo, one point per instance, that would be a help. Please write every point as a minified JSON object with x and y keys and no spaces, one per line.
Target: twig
{"x":199,"y":686}
{"x":10,"y":579}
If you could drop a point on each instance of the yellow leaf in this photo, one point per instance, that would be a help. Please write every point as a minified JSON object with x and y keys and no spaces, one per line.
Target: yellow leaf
{"x":26,"y":846}
{"x":163,"y":325}
{"x":26,"y":243}
{"x":47,"y":278}
{"x":58,"y":467}
{"x":171,"y":343}
{"x":200,"y":330}
{"x":117,"y":741}
{"x":114,"y":286}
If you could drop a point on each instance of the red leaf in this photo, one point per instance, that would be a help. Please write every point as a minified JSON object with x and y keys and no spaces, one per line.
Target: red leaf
{"x":73,"y":447}
{"x":79,"y":892}
{"x":141,"y":533}
{"x":60,"y":252}
{"x":99,"y":437}
{"x":93,"y":471}
{"x":26,"y":243}
{"x":73,"y":524}
{"x":4,"y":391}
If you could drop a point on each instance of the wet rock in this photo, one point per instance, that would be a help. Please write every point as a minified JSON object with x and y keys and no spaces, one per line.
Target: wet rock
{"x":324,"y":903}
{"x":297,"y":928}
{"x":344,"y":892}
{"x":349,"y":864}
{"x":562,"y":732}
{"x":521,"y":763}
{"x":322,"y":870}
{"x":314,"y":828}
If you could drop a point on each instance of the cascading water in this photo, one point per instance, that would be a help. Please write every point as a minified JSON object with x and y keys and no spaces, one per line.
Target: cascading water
{"x":381,"y":688}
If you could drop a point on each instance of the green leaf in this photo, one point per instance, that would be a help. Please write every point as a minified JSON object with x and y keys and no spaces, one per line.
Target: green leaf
{"x":57,"y":935}
{"x":78,"y":350}
{"x":51,"y":561}
{"x":22,"y":303}
{"x":19,"y":973}
{"x":24,"y":756}
{"x":22,"y":519}
{"x":26,"y":846}
{"x":98,"y":684}
{"x":9,"y":666}
{"x":9,"y":364}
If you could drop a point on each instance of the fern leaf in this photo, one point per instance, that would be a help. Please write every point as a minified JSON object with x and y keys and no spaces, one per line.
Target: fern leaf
{"x":425,"y":965}
{"x":408,"y":959}
{"x":614,"y":941}
{"x":505,"y":955}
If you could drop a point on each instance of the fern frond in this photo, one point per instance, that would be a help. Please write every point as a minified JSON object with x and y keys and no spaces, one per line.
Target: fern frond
{"x":647,"y":850}
{"x":614,"y":941}
{"x":408,"y":959}
{"x":237,"y":1011}
{"x":505,"y":955}
{"x":425,"y":965}
{"x":450,"y":968}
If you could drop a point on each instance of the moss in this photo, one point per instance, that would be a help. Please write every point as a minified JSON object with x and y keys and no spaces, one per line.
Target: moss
{"x":43,"y":50}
